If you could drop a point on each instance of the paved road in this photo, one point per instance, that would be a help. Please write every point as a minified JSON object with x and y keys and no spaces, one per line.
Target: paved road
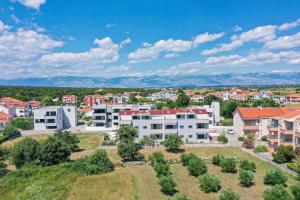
{"x":268,"y":158}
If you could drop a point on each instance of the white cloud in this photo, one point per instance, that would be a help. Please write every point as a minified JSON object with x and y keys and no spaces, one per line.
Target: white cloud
{"x":3,"y":26}
{"x":105,"y":52}
{"x":170,"y":47}
{"x":259,"y":34}
{"x":237,"y":28}
{"x":287,"y":26}
{"x":285,"y":42}
{"x":110,"y":25}
{"x":35,"y":4}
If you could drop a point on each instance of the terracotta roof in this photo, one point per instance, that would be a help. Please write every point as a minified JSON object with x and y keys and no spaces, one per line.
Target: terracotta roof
{"x":255,"y":113}
{"x":163,"y":112}
{"x":9,"y":99}
{"x":70,"y":96}
{"x":35,"y":103}
{"x":4,"y":115}
{"x":291,"y":114}
{"x":293,"y":95}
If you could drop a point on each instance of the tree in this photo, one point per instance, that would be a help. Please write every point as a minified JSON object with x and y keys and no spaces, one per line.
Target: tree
{"x":95,"y":164}
{"x":275,"y":176}
{"x":295,"y":189}
{"x":126,"y":133}
{"x":3,"y":152}
{"x":223,"y":139}
{"x":211,"y":98}
{"x":228,"y":194}
{"x":247,"y":165}
{"x":161,"y":169}
{"x":11,"y":132}
{"x":180,"y":196}
{"x":156,"y":157}
{"x":167,"y":184}
{"x":47,"y":101}
{"x":53,"y":151}
{"x":277,"y":192}
{"x":266,"y":102}
{"x":147,"y":141}
{"x":196,"y":166}
{"x":23,"y":123}
{"x":129,"y":151}
{"x":228,"y":165}
{"x":182,"y":100}
{"x":216,"y":160}
{"x":3,"y":169}
{"x":70,"y":140}
{"x":228,"y":108}
{"x":246,"y":178}
{"x":173,"y":143}
{"x":25,"y":152}
{"x":209,"y":183}
{"x":284,"y":154}
{"x":184,"y":158}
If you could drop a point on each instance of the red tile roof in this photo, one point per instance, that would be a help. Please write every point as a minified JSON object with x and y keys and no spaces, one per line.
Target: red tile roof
{"x":266,"y":112}
{"x":293,"y":95}
{"x":4,"y":115}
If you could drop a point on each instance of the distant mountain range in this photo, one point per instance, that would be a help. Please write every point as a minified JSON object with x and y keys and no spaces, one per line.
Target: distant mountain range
{"x":162,"y":81}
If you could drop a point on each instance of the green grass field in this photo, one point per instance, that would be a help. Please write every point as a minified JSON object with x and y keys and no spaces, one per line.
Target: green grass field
{"x":126,"y":183}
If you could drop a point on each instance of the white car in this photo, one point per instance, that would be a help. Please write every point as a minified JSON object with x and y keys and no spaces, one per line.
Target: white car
{"x":230,"y":131}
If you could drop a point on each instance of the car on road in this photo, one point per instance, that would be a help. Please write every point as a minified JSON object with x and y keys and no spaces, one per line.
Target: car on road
{"x":230,"y":131}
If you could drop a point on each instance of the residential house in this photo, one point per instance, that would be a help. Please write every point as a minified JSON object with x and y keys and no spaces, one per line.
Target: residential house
{"x":292,"y":99}
{"x":4,"y":119}
{"x":70,"y":99}
{"x":93,"y":100}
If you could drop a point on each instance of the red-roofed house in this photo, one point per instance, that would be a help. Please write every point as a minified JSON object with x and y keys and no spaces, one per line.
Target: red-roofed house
{"x":8,"y":109}
{"x":92,"y":100}
{"x":70,"y":99}
{"x":254,"y":121}
{"x":292,"y":99}
{"x":4,"y":119}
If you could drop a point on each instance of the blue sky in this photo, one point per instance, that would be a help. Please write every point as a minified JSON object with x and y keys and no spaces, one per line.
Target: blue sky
{"x":43,"y":38}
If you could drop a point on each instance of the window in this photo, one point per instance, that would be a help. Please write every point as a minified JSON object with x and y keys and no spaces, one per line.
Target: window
{"x":145,"y":127}
{"x":51,"y":127}
{"x":116,"y":110}
{"x":116,"y":117}
{"x":116,"y":123}
{"x":190,"y":136}
{"x":51,"y":121}
{"x":171,"y":126}
{"x":191,"y":116}
{"x":99,"y":111}
{"x":69,"y":110}
{"x":136,"y":127}
{"x":51,"y":113}
{"x":181,"y":126}
{"x":99,"y":118}
{"x":190,"y":126}
{"x":145,"y":117}
{"x":135,"y":117}
{"x":201,"y":125}
{"x":201,"y":136}
{"x":180,"y":116}
{"x":39,"y":120}
{"x":156,"y":126}
{"x":99,"y":124}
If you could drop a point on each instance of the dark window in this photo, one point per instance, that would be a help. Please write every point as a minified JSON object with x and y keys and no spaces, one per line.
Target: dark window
{"x":99,"y":124}
{"x":156,"y":126}
{"x":51,"y":127}
{"x":99,"y":111}
{"x":135,"y":117}
{"x":145,"y":127}
{"x":69,"y":110}
{"x":181,"y":126}
{"x":180,"y":116}
{"x":191,"y":116}
{"x":51,"y":121}
{"x":201,"y":136}
{"x":116,"y":117}
{"x":190,"y":136}
{"x":171,"y":126}
{"x":145,"y":117}
{"x":116,"y":110}
{"x":201,"y":125}
{"x":190,"y":126}
{"x":99,"y":118}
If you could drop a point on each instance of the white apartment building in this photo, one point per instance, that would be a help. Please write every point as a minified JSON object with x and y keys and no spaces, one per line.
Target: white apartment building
{"x":213,"y":111}
{"x":163,"y":95}
{"x":55,"y":117}
{"x":192,"y":125}
{"x":107,"y":115}
{"x":120,"y":98}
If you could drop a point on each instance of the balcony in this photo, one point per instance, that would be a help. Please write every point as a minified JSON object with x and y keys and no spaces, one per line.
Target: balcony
{"x":251,"y":128}
{"x":286,"y":141}
{"x":272,"y":128}
{"x":287,"y":132}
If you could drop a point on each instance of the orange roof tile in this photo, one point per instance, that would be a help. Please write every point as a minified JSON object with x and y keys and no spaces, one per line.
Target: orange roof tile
{"x":255,"y":113}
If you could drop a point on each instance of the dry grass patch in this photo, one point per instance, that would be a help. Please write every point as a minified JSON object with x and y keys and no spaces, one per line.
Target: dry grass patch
{"x":11,"y":143}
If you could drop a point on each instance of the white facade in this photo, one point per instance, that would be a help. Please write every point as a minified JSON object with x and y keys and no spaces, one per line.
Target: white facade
{"x":11,"y":110}
{"x":23,"y":111}
{"x":55,"y":117}
{"x":163,"y":95}
{"x":213,"y":111}
{"x":191,"y":125}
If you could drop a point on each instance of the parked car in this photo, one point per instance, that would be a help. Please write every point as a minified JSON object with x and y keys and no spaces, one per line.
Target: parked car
{"x":230,"y":131}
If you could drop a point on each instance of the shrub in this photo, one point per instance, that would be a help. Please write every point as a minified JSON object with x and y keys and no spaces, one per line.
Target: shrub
{"x":246,"y":178}
{"x":295,"y":189}
{"x":275,"y":176}
{"x":247,"y":165}
{"x":223,"y":139}
{"x":277,"y":192}
{"x":294,"y":166}
{"x":184,"y":158}
{"x":216,"y":160}
{"x":129,"y":151}
{"x":156,"y":157}
{"x":173,"y":143}
{"x":126,"y":133}
{"x":264,"y":138}
{"x":228,"y":194}
{"x":11,"y":132}
{"x":228,"y":165}
{"x":53,"y":151}
{"x":95,"y":164}
{"x":248,"y":143}
{"x":25,"y":152}
{"x":180,"y":196}
{"x":70,"y":140}
{"x":147,"y":141}
{"x":260,"y":149}
{"x":23,"y":123}
{"x":196,"y":166}
{"x":167,"y":185}
{"x":3,"y":169}
{"x":284,"y":154}
{"x":3,"y":152}
{"x":241,"y":138}
{"x":209,"y":183}
{"x":162,"y":169}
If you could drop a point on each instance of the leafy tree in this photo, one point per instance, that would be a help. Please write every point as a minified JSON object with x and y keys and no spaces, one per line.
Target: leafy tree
{"x":275,"y":176}
{"x":295,"y":189}
{"x":173,"y":143}
{"x":228,"y":194}
{"x":11,"y":132}
{"x":95,"y":164}
{"x":277,"y":192}
{"x":167,"y":184}
{"x":182,"y":100}
{"x":25,"y":152}
{"x":160,"y":105}
{"x":196,"y":166}
{"x":129,"y":151}
{"x":223,"y":139}
{"x":264,"y":138}
{"x":228,"y":165}
{"x":47,"y":101}
{"x":23,"y":123}
{"x":3,"y":169}
{"x":161,"y":169}
{"x":126,"y":133}
{"x":70,"y":140}
{"x":156,"y":157}
{"x":147,"y":141}
{"x":216,"y":160}
{"x":211,"y":98}
{"x":209,"y":183}
{"x":246,"y":178}
{"x":132,"y":98}
{"x":227,"y":108}
{"x":260,"y":149}
{"x":53,"y":151}
{"x":180,"y":196}
{"x":247,"y":165}
{"x":284,"y":154}
{"x":266,"y":102}
{"x":3,"y":152}
{"x":184,"y":158}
